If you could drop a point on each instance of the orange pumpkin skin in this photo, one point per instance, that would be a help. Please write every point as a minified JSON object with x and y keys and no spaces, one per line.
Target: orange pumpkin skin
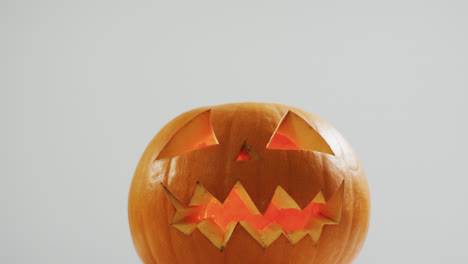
{"x":301,"y":173}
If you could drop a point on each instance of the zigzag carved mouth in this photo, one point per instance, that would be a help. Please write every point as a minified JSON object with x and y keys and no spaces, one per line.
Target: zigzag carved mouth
{"x":217,"y":220}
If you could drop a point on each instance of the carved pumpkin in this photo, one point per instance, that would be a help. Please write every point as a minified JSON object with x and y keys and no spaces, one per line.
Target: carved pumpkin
{"x":248,"y":183}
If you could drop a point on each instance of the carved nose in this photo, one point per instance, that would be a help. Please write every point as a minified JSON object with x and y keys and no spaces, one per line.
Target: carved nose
{"x":247,"y":153}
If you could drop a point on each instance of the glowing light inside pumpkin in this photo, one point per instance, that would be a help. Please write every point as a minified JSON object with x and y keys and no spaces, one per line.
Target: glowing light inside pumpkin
{"x":243,"y":155}
{"x":247,"y":153}
{"x":196,"y":134}
{"x":282,"y":142}
{"x":283,"y":216}
{"x":234,"y":209}
{"x":295,"y":133}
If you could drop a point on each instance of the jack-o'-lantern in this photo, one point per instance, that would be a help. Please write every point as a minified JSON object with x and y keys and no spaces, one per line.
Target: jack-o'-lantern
{"x":249,"y":183}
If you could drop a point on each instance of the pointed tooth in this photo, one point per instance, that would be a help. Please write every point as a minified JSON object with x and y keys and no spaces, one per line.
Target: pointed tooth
{"x":187,"y":229}
{"x":266,"y":236}
{"x":282,"y":200}
{"x":201,"y":196}
{"x":295,"y":236}
{"x":247,"y":201}
{"x":228,"y":232}
{"x":181,"y":212}
{"x":315,"y":234}
{"x":212,"y":231}
{"x":334,"y":206}
{"x":319,"y":198}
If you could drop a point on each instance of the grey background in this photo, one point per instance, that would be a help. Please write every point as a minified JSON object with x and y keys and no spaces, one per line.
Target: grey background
{"x":86,"y":84}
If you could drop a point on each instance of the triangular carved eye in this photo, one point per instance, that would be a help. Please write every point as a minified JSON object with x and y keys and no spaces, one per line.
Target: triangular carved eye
{"x":293,"y":132}
{"x":197,"y":133}
{"x":247,"y":153}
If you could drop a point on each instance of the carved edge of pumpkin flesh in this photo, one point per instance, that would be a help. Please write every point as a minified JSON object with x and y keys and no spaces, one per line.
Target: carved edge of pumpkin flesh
{"x":329,"y":214}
